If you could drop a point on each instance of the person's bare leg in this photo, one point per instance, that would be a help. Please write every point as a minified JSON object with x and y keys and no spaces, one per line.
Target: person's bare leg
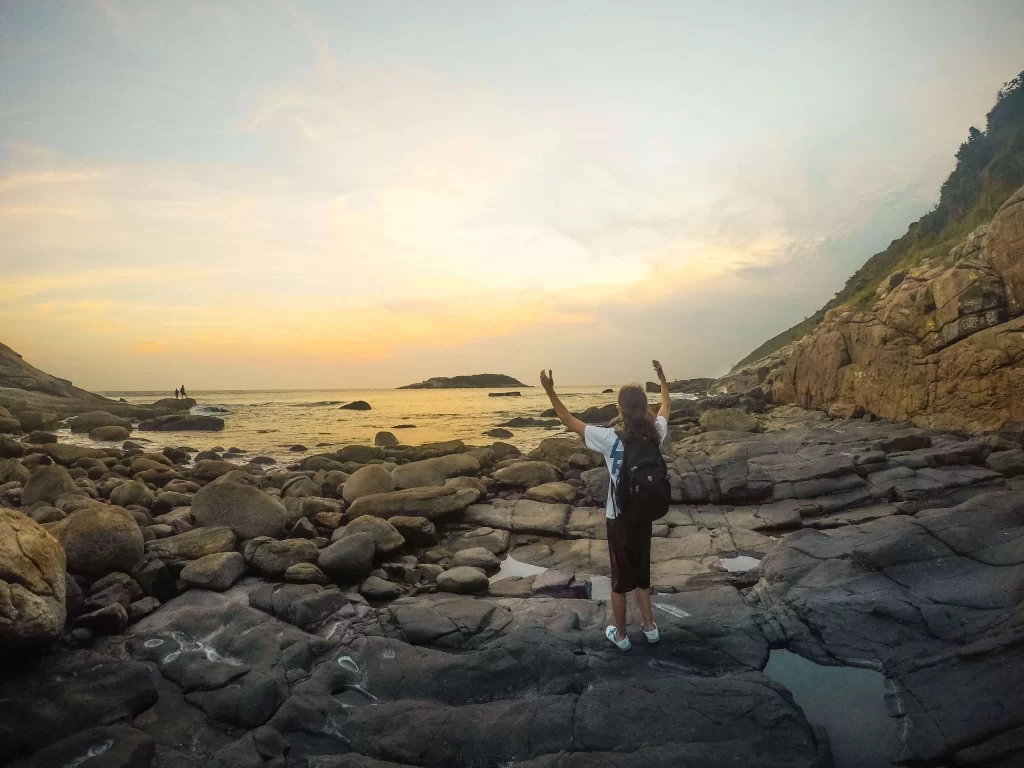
{"x":643,"y":602}
{"x":619,"y":614}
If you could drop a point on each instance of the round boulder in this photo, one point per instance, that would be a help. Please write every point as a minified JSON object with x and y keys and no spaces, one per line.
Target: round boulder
{"x":356,"y":405}
{"x":7,"y":422}
{"x":417,"y":531}
{"x":298,"y":487}
{"x":132,"y":492}
{"x":376,"y":588}
{"x":216,"y":572}
{"x":12,"y":470}
{"x":526,"y":474}
{"x":558,"y":493}
{"x":372,"y":478}
{"x":386,"y":538}
{"x":385,"y":440}
{"x":47,"y":483}
{"x":435,"y":471}
{"x":360,"y":454}
{"x":272,"y":558}
{"x":90,"y":421}
{"x":32,"y":585}
{"x":348,"y":559}
{"x":462,"y":580}
{"x":558,"y":450}
{"x":248,"y":511}
{"x":477,"y":557}
{"x":99,"y":539}
{"x":109,"y":434}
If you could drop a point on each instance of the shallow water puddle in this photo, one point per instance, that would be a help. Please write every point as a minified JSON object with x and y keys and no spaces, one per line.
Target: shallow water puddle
{"x":848,"y":702}
{"x":739,"y":564}
{"x":514,"y":569}
{"x":94,"y":751}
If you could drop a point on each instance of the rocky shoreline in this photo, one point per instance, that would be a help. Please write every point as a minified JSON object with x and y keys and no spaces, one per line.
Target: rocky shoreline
{"x":171,"y":609}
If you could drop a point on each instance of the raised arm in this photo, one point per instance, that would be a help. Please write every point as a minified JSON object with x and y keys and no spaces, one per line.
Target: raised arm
{"x":570,"y":421}
{"x":666,"y":401}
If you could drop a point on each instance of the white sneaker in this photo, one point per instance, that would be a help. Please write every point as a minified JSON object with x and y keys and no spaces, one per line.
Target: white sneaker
{"x":653,"y":635}
{"x":623,"y":644}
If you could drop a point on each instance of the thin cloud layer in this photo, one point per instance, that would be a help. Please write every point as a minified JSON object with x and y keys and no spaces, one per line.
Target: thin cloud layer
{"x":318,"y":198}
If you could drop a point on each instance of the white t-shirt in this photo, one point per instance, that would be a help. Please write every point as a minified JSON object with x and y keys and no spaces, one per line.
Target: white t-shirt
{"x":606,"y":441}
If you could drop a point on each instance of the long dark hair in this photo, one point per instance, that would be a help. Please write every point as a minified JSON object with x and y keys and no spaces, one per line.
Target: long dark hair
{"x":637,"y":423}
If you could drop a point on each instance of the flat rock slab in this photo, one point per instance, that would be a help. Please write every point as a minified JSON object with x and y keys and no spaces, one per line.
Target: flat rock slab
{"x":934,"y":600}
{"x":63,"y":694}
{"x":522,"y":516}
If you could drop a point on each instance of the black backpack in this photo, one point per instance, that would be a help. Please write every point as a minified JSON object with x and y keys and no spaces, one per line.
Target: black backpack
{"x":643,"y":492}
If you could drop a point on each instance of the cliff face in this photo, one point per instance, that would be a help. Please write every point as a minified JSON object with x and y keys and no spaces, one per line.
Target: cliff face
{"x":942,"y":346}
{"x":16,"y":374}
{"x":989,"y":167}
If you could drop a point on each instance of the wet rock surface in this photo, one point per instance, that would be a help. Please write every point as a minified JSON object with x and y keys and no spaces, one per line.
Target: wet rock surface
{"x":226,"y":627}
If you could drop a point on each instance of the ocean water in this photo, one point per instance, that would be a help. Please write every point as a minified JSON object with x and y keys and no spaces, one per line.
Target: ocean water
{"x":269,"y":422}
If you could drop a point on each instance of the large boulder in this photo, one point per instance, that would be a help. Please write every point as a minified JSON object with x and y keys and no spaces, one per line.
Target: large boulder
{"x":99,"y":539}
{"x":272,"y":558}
{"x":132,"y":492}
{"x":348,"y":559}
{"x":7,"y":422}
{"x":217,"y":571}
{"x":183,"y":423}
{"x":430,"y":472}
{"x":110,"y":434}
{"x":386,"y":538}
{"x":12,"y":470}
{"x":476,"y":557}
{"x":32,"y":585}
{"x":729,"y":420}
{"x":192,"y":545}
{"x":248,"y":511}
{"x":417,"y":531}
{"x":385,"y":440}
{"x":526,"y":474}
{"x":93,"y":419}
{"x":32,"y":421}
{"x":462,"y":580}
{"x":64,"y":453}
{"x":373,"y":478}
{"x":210,"y":469}
{"x":559,"y":493}
{"x":416,"y":502}
{"x":47,"y":484}
{"x":558,"y":450}
{"x":360,"y":454}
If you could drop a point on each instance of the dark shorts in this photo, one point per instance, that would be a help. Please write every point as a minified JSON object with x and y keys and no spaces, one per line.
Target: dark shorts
{"x":629,"y":549}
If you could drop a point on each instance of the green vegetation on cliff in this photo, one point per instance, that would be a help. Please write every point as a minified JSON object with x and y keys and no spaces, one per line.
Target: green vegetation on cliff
{"x":476,"y":381}
{"x":989,"y":168}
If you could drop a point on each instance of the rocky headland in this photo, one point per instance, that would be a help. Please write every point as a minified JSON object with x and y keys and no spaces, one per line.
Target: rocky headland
{"x":178,"y":609}
{"x":942,"y":346}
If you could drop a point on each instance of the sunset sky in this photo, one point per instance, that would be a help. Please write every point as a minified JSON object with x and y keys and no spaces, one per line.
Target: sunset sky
{"x":325,"y":194}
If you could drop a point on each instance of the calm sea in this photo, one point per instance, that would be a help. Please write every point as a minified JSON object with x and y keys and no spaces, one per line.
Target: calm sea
{"x":270,"y":422}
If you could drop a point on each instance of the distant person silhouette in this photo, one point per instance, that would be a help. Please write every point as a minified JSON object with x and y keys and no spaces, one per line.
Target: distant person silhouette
{"x":183,"y":395}
{"x":175,"y":394}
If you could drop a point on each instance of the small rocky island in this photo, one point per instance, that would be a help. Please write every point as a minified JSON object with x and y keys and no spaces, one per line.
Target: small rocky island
{"x":475,"y":381}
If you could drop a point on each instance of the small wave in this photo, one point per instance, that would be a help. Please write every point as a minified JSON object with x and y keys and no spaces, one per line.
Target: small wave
{"x":318,"y":404}
{"x":208,"y":410}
